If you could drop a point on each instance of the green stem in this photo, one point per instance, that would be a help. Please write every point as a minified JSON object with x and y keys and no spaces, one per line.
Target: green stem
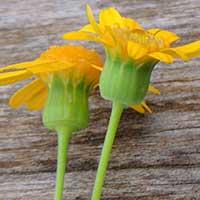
{"x":64,"y":135}
{"x":117,"y":109}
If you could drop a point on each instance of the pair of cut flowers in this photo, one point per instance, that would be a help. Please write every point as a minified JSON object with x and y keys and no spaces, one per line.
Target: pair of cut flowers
{"x":63,"y":79}
{"x":131,"y":54}
{"x":65,"y":75}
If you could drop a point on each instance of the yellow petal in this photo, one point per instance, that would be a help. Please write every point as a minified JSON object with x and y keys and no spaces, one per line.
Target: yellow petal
{"x":146,"y":107}
{"x":131,"y":24}
{"x":109,"y":17}
{"x":113,"y":37}
{"x":176,"y":53}
{"x":78,"y":35}
{"x":162,"y":57}
{"x":26,"y":93}
{"x":153,"y":90}
{"x":87,"y":28}
{"x":38,"y":66}
{"x":138,"y":108}
{"x":92,"y":20}
{"x":164,"y":34}
{"x":83,"y":36}
{"x":38,"y":101}
{"x":53,"y":67}
{"x":25,"y":65}
{"x":135,"y":50}
{"x":191,"y":50}
{"x":12,"y":77}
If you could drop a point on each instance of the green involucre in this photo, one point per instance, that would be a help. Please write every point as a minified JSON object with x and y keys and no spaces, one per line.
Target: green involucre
{"x":67,"y":105}
{"x":125,"y":81}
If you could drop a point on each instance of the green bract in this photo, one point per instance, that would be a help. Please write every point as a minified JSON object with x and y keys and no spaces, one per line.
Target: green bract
{"x":125,"y":81}
{"x":67,"y":105}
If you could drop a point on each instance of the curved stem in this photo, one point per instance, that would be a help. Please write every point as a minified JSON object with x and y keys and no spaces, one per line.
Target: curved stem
{"x":117,"y":109}
{"x":64,"y":136}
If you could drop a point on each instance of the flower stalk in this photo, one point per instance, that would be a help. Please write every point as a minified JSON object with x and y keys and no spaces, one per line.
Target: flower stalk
{"x":117,"y":109}
{"x":64,"y":135}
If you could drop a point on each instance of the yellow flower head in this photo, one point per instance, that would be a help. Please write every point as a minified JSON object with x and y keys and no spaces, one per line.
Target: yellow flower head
{"x":68,"y":62}
{"x":126,"y":38}
{"x":131,"y":53}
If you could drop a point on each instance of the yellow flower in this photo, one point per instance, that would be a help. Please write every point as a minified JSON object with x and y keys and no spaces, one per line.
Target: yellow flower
{"x":126,"y":38}
{"x":63,"y":78}
{"x":131,"y":53}
{"x":68,"y":62}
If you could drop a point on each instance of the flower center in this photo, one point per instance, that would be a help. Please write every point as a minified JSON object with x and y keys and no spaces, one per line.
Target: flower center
{"x":144,"y":38}
{"x":151,"y":42}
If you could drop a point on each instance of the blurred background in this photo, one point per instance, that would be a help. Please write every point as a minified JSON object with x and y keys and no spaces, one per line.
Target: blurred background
{"x":155,"y":156}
